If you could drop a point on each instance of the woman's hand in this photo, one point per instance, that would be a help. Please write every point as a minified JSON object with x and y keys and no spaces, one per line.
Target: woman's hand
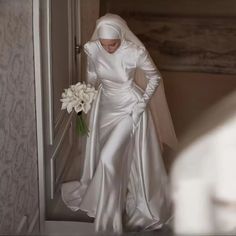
{"x":138,"y":110}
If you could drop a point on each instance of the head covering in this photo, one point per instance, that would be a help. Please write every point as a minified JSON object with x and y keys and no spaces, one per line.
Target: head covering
{"x":109,"y":31}
{"x":158,"y":104}
{"x":111,"y":22}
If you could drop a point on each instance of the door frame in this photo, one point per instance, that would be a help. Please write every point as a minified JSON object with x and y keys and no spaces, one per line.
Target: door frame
{"x":39,"y":109}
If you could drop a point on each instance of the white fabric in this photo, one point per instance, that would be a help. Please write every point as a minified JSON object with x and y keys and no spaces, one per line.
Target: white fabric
{"x":124,"y":184}
{"x":203,"y":176}
{"x":107,"y":31}
{"x":138,"y":110}
{"x":126,"y":34}
{"x":158,"y":104}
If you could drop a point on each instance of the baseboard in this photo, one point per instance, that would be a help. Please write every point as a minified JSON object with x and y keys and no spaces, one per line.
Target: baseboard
{"x":63,"y":228}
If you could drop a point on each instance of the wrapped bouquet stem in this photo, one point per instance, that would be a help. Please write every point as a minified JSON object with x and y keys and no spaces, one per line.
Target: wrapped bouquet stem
{"x":81,"y":126}
{"x":79,"y":98}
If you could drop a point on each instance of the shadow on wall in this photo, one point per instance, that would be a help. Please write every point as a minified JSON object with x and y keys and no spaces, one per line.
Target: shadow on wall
{"x":191,"y":94}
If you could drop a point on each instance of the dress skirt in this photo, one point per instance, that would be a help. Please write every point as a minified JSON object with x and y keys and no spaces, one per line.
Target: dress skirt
{"x":124,"y":183}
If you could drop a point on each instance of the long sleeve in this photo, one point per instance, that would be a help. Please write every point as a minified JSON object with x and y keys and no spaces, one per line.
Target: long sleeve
{"x":91,"y":72}
{"x":146,"y":64}
{"x":91,"y":75}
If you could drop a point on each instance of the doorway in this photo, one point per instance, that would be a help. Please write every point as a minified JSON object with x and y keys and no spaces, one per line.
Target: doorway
{"x":59,"y":62}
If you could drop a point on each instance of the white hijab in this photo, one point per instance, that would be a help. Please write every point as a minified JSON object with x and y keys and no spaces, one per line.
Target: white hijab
{"x":109,"y":31}
{"x":112,"y":26}
{"x":119,"y":24}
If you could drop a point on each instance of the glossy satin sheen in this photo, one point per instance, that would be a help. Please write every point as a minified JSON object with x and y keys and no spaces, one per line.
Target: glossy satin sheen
{"x":124,"y":184}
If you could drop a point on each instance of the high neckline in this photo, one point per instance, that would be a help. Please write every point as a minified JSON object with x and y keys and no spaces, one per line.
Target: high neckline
{"x":116,"y":51}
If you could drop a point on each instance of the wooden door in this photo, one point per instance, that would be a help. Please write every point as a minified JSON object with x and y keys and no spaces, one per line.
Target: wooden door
{"x":58,"y":29}
{"x":58,"y":72}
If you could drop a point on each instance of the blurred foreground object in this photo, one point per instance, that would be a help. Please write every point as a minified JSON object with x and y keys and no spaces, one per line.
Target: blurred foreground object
{"x":203,"y":177}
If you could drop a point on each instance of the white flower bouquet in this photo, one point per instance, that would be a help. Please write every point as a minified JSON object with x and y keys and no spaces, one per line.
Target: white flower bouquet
{"x":79,"y":97}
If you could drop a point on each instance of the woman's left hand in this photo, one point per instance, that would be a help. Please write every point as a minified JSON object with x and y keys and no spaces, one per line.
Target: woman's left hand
{"x":138,"y":110}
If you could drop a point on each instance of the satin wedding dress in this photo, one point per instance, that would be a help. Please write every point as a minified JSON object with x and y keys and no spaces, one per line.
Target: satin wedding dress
{"x":124,"y":183}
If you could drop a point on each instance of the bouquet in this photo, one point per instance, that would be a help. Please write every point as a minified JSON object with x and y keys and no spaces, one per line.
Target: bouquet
{"x":79,"y":97}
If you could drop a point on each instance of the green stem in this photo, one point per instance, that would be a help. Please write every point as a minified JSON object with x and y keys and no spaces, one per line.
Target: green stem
{"x":81,"y":125}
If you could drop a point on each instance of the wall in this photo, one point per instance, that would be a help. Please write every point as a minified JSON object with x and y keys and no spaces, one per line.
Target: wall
{"x":18,"y":150}
{"x":189,"y":92}
{"x":170,"y":7}
{"x":189,"y":95}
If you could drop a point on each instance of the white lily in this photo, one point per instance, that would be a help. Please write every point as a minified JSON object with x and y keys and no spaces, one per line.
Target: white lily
{"x":78,"y":97}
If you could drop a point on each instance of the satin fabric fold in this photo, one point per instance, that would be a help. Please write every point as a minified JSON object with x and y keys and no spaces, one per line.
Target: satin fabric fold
{"x":158,"y":104}
{"x":124,"y":184}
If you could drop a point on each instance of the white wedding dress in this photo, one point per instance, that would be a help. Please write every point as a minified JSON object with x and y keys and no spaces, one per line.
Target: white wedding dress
{"x":124,"y":183}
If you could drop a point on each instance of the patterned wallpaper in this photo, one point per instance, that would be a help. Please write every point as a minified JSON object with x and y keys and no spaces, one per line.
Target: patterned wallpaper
{"x":18,"y":150}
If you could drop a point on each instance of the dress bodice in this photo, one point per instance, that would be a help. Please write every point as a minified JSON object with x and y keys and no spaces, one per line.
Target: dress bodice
{"x":120,"y":67}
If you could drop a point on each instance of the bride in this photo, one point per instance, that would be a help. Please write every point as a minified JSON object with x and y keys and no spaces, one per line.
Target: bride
{"x":124,"y":185}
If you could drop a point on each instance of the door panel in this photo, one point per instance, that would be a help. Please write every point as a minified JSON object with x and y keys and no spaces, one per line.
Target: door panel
{"x":58,"y":74}
{"x":60,"y":156}
{"x":60,"y":31}
{"x":60,"y":53}
{"x":61,"y":66}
